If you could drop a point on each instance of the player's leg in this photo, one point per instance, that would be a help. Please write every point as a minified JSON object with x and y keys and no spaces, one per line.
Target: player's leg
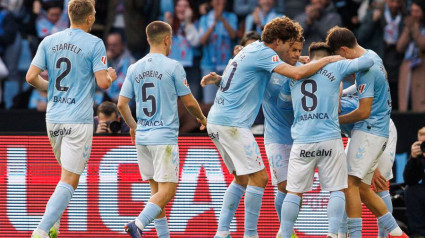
{"x":300,"y":180}
{"x":332,"y":167}
{"x":71,"y":144}
{"x":160,"y":222}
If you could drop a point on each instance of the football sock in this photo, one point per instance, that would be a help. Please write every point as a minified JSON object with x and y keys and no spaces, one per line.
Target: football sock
{"x":280,"y":196}
{"x":148,"y":214}
{"x":290,"y":209}
{"x":161,"y":226}
{"x":335,"y":210}
{"x":354,"y":227}
{"x":253,"y":198}
{"x":385,"y":195}
{"x":388,"y":222}
{"x":56,"y":205}
{"x":231,"y":200}
{"x":343,"y":229}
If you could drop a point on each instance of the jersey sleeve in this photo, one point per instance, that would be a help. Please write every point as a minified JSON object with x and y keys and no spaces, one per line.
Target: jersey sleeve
{"x":127,"y":89}
{"x":348,"y":67}
{"x":365,"y":84}
{"x":268,"y":60}
{"x":40,"y":57}
{"x":180,"y":81}
{"x":99,"y":60}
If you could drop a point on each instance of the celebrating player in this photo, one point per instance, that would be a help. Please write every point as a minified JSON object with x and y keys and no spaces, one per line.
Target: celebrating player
{"x":73,"y":59}
{"x":317,"y":139}
{"x":236,"y":105}
{"x":156,"y":82}
{"x":369,"y":136}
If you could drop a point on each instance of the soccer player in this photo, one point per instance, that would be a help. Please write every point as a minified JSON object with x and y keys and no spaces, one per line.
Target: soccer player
{"x":73,"y":59}
{"x":383,"y":173}
{"x":156,"y":82}
{"x":317,"y":139}
{"x":237,"y":104}
{"x":279,"y":116}
{"x":369,"y":136}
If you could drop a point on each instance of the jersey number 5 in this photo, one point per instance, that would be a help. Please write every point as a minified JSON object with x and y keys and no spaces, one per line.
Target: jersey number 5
{"x":146,"y":98}
{"x":308,"y":94}
{"x":63,"y":74}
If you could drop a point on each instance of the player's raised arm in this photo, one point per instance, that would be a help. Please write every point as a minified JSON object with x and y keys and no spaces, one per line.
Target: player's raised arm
{"x":34,"y":79}
{"x":303,"y":71}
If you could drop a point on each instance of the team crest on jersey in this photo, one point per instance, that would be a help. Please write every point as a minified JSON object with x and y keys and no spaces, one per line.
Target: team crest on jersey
{"x":361,"y":88}
{"x":275,"y":58}
{"x":186,"y":83}
{"x":103,"y":60}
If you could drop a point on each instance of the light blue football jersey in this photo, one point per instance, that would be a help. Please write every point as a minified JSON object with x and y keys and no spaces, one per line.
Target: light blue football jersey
{"x":241,"y":91}
{"x":278,"y":111}
{"x":71,"y":58}
{"x":349,"y":103}
{"x":156,"y":81}
{"x":373,"y":84}
{"x":316,"y":101}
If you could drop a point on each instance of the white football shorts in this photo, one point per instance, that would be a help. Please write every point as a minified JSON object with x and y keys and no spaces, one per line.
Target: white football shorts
{"x":71,"y":144}
{"x":278,"y":156}
{"x":237,"y":147}
{"x":386,"y":160}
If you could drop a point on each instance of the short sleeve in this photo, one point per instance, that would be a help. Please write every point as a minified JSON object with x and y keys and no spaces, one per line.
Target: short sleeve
{"x":180,"y":81}
{"x":268,"y":60}
{"x":347,"y":67}
{"x":40,"y":57}
{"x":127,"y":89}
{"x":99,"y":60}
{"x":365,"y":84}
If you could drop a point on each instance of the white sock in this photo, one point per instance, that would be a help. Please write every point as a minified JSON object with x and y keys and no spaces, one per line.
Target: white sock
{"x":342,"y":235}
{"x":396,"y":232}
{"x":332,"y":235}
{"x":41,"y":233}
{"x":222,"y":234}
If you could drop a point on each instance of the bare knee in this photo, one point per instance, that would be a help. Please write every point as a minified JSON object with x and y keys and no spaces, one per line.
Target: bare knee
{"x":241,"y":179}
{"x":282,"y":187}
{"x":259,"y":179}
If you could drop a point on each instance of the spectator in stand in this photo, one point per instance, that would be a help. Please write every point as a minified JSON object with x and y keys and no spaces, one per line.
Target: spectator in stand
{"x":185,"y":40}
{"x":261,"y":15}
{"x":380,"y":31}
{"x":108,"y":120}
{"x":318,"y":18}
{"x":38,"y":99}
{"x":414,"y":177}
{"x":412,"y":70}
{"x":52,"y":18}
{"x":217,"y":29}
{"x":120,"y":59}
{"x":244,"y":7}
{"x":293,"y":8}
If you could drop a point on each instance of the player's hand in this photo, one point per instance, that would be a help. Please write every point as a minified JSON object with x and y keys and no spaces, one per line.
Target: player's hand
{"x":210,"y":78}
{"x":237,"y":49}
{"x":203,"y":123}
{"x":416,"y":149}
{"x":102,"y":127}
{"x":112,"y":73}
{"x":133,"y":135}
{"x":304,"y":59}
{"x":379,"y":182}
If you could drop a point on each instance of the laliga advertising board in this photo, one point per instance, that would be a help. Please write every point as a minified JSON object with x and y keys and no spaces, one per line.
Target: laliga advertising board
{"x":112,"y":193}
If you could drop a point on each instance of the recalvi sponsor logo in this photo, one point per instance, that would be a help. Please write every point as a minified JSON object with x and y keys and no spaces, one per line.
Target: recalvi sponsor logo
{"x":60,"y":132}
{"x":322,"y":152}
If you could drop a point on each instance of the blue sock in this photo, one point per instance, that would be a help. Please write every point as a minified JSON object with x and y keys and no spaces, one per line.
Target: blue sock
{"x":280,"y":196}
{"x":343,"y":229}
{"x":161,"y":226}
{"x":336,"y":208}
{"x":290,"y":210}
{"x":355,"y":227}
{"x":253,"y":198}
{"x":385,"y":195}
{"x":56,"y":205}
{"x":231,"y":200}
{"x":149,"y":213}
{"x":387,"y":222}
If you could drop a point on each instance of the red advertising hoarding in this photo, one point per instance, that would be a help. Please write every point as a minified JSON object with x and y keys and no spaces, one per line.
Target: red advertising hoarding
{"x":112,"y":193}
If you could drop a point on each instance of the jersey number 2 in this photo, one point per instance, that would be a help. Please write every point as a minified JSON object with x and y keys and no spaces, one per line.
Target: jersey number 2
{"x":63,"y":74}
{"x":146,"y":98}
{"x":308,"y":94}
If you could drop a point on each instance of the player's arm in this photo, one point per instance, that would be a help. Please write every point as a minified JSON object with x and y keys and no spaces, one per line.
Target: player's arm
{"x":361,"y":113}
{"x":34,"y":79}
{"x":104,"y":78}
{"x":306,"y":70}
{"x":193,"y":107}
{"x":211,"y":78}
{"x":126,"y":115}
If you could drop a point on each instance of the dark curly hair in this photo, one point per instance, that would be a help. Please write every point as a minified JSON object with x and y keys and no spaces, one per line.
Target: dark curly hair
{"x":282,"y":28}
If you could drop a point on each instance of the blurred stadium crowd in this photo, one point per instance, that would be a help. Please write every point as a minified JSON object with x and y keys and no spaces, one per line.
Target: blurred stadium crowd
{"x":205,"y":33}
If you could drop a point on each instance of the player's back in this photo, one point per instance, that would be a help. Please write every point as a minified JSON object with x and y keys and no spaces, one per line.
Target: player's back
{"x":241,"y":90}
{"x":373,"y":84}
{"x":156,"y":81}
{"x":349,"y":103}
{"x":71,"y":58}
{"x":278,"y":111}
{"x":316,"y":101}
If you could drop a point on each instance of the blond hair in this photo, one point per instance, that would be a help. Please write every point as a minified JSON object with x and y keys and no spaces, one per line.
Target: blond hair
{"x":79,"y":10}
